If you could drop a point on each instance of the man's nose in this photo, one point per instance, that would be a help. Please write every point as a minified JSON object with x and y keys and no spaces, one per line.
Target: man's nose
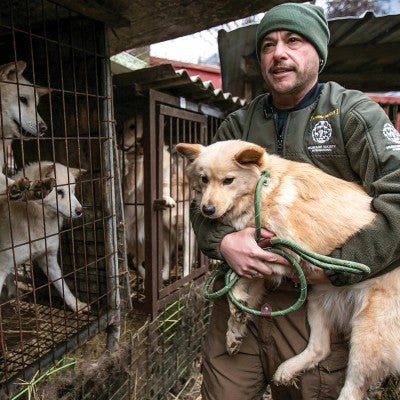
{"x":280,"y":49}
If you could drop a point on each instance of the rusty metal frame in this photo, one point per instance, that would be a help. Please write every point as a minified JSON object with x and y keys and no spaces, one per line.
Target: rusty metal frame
{"x":161,"y":105}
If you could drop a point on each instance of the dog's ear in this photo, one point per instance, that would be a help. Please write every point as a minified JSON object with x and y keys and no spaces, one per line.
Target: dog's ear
{"x":251,"y":154}
{"x":77,"y":172}
{"x":47,"y":171}
{"x":10,"y":71}
{"x":189,"y":150}
{"x":41,"y":90}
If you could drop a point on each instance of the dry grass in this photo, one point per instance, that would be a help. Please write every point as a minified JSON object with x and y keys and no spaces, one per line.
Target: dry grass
{"x":95,"y":366}
{"x":190,"y":390}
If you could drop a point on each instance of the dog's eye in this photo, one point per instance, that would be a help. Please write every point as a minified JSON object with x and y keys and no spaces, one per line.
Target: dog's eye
{"x":60,"y":193}
{"x":204,"y":179}
{"x":23,"y":100}
{"x":227,"y":181}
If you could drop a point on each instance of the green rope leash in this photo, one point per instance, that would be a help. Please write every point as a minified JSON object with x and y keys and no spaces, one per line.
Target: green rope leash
{"x":231,"y":278}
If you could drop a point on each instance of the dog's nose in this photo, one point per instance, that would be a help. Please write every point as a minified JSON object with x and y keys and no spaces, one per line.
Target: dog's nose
{"x":42,"y":127}
{"x":78,"y":211}
{"x":208,"y":209}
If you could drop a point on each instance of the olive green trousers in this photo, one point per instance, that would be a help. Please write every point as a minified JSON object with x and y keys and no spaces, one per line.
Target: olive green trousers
{"x":269,"y":342}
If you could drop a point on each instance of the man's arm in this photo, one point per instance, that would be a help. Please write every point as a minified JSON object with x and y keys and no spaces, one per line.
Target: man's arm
{"x":209,"y":232}
{"x":373,"y":147}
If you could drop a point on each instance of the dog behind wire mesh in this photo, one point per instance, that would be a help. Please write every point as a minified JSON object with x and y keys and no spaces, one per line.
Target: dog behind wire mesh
{"x":31,"y":229}
{"x":177,"y":234}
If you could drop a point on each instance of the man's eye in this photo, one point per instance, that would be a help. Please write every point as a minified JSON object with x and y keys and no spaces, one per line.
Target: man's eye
{"x":204,"y":179}
{"x":295,"y":41}
{"x":267,"y":46}
{"x":227,"y":181}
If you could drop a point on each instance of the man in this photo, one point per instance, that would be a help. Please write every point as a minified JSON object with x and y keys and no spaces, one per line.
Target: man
{"x":340,"y":131}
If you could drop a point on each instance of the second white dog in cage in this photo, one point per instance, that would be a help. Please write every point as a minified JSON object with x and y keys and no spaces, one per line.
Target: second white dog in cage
{"x":176,"y":224}
{"x":30,"y":230}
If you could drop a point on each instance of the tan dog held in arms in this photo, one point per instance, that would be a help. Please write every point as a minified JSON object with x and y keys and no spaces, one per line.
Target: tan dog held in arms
{"x":19,"y":116}
{"x":176,"y":222}
{"x":31,"y":229}
{"x":294,"y":206}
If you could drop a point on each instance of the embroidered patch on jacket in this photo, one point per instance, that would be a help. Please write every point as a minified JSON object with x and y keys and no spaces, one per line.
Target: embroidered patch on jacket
{"x":321,"y":134}
{"x":393,"y":135}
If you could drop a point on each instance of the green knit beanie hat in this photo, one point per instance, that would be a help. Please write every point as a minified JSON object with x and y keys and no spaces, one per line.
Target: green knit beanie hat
{"x":307,"y":20}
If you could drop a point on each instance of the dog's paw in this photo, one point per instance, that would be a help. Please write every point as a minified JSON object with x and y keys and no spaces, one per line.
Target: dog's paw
{"x":42,"y":188}
{"x":164,"y":203}
{"x":233,"y":342}
{"x":169,"y":202}
{"x":239,"y":315}
{"x":166,"y":274}
{"x":81,"y":307}
{"x":19,"y":188}
{"x":286,"y":374}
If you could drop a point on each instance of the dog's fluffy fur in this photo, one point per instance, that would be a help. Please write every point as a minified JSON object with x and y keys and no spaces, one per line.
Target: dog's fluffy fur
{"x":320,"y":212}
{"x":31,"y":229}
{"x":19,"y":116}
{"x":176,"y":215}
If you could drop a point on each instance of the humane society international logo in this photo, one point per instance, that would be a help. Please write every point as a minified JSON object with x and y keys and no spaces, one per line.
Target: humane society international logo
{"x":321,"y":134}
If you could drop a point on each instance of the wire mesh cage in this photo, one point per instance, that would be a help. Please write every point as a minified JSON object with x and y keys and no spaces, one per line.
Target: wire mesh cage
{"x":58,"y":242}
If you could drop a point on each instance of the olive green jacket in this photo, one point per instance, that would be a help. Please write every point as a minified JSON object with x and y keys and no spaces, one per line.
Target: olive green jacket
{"x":345,"y":134}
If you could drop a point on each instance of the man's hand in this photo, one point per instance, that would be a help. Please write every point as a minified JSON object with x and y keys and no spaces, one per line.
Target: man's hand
{"x":247,"y":257}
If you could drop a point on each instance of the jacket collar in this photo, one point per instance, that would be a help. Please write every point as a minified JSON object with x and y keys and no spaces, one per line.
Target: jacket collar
{"x":308,"y":99}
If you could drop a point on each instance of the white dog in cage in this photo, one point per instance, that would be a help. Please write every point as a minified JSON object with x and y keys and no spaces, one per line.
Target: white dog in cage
{"x":182,"y":193}
{"x":19,"y":116}
{"x":176,"y":225}
{"x":30,"y":230}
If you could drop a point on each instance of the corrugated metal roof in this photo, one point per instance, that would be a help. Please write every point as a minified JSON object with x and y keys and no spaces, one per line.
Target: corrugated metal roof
{"x":178,"y":83}
{"x":363,"y":54}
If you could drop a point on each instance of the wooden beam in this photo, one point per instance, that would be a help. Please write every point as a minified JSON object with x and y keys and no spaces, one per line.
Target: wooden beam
{"x":94,"y":10}
{"x":157,"y":21}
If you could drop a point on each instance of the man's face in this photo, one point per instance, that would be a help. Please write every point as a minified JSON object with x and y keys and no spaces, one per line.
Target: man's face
{"x":289,"y":63}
